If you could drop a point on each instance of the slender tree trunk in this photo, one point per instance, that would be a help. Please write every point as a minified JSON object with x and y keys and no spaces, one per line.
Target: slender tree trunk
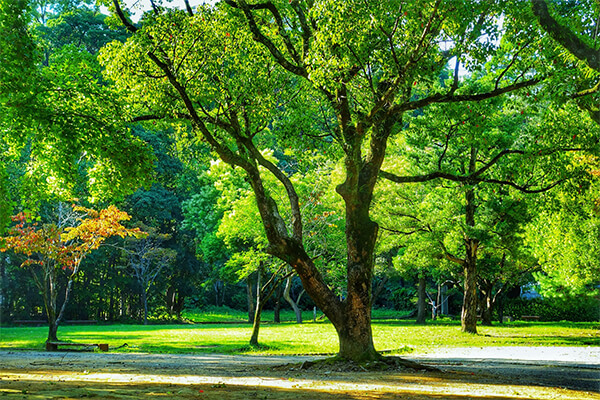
{"x":145,"y":305}
{"x":277,"y":309}
{"x":292,"y":303}
{"x":258,"y":311}
{"x":49,"y":293}
{"x":422,"y":300}
{"x":251,"y":308}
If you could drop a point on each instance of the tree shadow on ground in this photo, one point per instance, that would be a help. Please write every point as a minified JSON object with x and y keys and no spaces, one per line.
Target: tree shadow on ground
{"x":45,"y":387}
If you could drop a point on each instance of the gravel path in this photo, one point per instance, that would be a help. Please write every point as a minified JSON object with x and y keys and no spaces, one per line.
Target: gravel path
{"x":500,"y":368}
{"x":575,"y":368}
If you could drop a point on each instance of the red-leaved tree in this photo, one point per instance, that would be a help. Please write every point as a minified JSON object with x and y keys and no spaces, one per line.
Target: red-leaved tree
{"x":52,"y":248}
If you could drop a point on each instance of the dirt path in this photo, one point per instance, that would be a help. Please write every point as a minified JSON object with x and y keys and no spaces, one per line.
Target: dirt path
{"x":70,"y":375}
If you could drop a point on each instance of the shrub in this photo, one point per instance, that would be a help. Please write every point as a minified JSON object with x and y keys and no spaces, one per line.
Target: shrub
{"x":555,"y":309}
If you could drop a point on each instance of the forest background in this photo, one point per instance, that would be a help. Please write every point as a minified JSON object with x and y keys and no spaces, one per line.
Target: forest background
{"x":490,"y":173}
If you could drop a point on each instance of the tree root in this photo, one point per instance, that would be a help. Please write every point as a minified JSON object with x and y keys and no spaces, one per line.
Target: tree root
{"x":382,"y":364}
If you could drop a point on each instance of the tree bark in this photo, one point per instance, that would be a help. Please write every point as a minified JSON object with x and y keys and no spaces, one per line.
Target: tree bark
{"x":422,"y":300}
{"x":469,"y":308}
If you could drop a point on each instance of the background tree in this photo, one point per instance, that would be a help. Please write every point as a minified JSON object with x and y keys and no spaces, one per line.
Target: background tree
{"x":62,"y":246}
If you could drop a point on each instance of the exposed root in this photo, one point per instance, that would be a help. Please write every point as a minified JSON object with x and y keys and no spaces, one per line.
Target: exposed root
{"x":336,"y":364}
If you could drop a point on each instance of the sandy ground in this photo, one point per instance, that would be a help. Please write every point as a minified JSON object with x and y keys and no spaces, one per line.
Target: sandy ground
{"x":469,"y":373}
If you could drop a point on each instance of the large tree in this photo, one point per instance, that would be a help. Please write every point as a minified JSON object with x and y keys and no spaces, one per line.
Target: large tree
{"x":228,"y":69}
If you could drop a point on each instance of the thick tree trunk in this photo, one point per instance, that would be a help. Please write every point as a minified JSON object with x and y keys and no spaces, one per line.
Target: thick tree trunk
{"x":292,"y":303}
{"x":422,"y":300}
{"x":354,"y":326}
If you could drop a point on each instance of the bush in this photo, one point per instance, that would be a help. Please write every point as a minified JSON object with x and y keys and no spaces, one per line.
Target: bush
{"x":578,"y":309}
{"x":405,"y":298}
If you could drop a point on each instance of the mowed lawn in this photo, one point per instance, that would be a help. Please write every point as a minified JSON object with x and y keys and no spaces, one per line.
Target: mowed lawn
{"x":395,"y":337}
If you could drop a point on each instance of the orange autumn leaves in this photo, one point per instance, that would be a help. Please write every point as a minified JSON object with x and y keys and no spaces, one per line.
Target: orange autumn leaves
{"x":66,"y":247}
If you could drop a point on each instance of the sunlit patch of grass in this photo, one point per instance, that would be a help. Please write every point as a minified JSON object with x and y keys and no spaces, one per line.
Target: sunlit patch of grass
{"x":394,"y":337}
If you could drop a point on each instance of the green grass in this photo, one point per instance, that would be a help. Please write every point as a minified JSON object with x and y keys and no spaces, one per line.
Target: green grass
{"x":308,"y":338}
{"x":226,"y":314}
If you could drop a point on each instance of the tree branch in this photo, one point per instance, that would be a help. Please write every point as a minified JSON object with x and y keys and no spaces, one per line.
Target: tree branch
{"x":130,"y":27}
{"x":565,"y":36}
{"x":451,"y":98}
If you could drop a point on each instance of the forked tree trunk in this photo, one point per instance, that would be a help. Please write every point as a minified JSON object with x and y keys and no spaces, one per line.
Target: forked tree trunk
{"x":292,"y":303}
{"x":422,"y":300}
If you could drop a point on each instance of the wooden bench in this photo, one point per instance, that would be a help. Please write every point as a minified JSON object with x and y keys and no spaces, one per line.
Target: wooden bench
{"x":53,"y":346}
{"x":530,"y":317}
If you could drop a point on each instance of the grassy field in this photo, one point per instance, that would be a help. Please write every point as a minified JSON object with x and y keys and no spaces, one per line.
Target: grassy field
{"x":392,"y":336}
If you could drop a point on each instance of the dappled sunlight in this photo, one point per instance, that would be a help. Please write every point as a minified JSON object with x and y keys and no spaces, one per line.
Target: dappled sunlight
{"x":120,"y":385}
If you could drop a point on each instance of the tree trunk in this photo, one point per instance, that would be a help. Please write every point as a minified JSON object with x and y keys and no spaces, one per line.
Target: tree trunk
{"x":259,"y":307}
{"x":487,"y":304}
{"x":250,"y":297}
{"x":145,"y":305}
{"x":422,"y":300}
{"x":469,"y":307}
{"x":292,"y":303}
{"x":486,"y":313}
{"x":277,"y":310}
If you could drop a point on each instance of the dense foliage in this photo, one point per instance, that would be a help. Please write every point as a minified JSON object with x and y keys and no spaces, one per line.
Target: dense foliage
{"x":430,"y":155}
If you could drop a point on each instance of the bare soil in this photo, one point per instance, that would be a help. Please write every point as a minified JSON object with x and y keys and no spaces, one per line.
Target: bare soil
{"x":77,"y":375}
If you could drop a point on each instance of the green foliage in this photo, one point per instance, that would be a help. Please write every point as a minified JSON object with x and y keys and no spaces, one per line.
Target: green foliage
{"x":6,"y":204}
{"x":556,"y":309}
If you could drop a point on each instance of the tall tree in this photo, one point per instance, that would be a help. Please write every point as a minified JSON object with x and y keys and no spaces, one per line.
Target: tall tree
{"x":228,"y":69}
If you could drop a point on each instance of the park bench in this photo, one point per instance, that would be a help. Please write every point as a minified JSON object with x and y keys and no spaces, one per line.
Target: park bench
{"x":53,"y":346}
{"x":530,"y":317}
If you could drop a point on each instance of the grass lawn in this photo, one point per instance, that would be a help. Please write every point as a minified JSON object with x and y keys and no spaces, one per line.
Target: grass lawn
{"x":308,"y":338}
